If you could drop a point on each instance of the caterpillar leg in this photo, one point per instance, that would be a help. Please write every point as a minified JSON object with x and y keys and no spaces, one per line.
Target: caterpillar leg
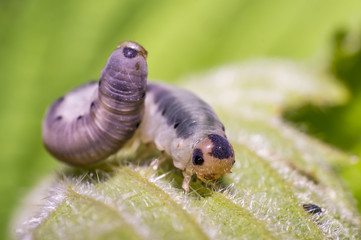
{"x":187,"y":179}
{"x":158,"y":161}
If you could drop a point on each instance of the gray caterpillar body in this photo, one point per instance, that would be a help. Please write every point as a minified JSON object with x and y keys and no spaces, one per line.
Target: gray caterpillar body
{"x":95,"y":120}
{"x":187,"y":129}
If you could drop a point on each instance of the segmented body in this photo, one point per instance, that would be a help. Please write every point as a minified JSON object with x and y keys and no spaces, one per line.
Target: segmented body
{"x":175,"y":120}
{"x":97,"y":119}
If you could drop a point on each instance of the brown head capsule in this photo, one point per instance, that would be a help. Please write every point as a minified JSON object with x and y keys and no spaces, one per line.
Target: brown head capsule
{"x":213,"y":156}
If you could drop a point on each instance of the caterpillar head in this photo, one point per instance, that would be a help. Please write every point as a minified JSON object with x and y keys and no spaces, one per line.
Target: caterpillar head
{"x":212,"y":157}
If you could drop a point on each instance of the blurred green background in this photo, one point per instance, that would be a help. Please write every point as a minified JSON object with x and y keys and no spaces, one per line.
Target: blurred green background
{"x":48,"y":47}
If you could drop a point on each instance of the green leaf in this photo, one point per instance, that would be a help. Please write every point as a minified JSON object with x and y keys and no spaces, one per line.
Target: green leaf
{"x":339,"y":125}
{"x":277,"y":170}
{"x":48,"y":47}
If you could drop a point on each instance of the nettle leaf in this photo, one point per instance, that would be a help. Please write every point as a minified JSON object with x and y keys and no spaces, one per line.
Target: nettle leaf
{"x":283,"y":185}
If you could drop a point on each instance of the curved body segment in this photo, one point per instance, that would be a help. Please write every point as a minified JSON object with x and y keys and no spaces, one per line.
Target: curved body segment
{"x":93,"y":121}
{"x":187,"y":129}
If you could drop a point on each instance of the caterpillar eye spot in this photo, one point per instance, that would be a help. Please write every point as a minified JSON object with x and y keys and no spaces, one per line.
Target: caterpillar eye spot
{"x":137,"y":66}
{"x":129,"y":52}
{"x":176,"y":125}
{"x":137,"y":125}
{"x":197,"y":157}
{"x":58,"y":118}
{"x":79,"y":117}
{"x":100,"y":82}
{"x":221,"y":148}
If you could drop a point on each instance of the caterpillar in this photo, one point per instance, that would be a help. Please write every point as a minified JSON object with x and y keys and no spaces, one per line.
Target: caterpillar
{"x":95,"y":120}
{"x":186,"y":128}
